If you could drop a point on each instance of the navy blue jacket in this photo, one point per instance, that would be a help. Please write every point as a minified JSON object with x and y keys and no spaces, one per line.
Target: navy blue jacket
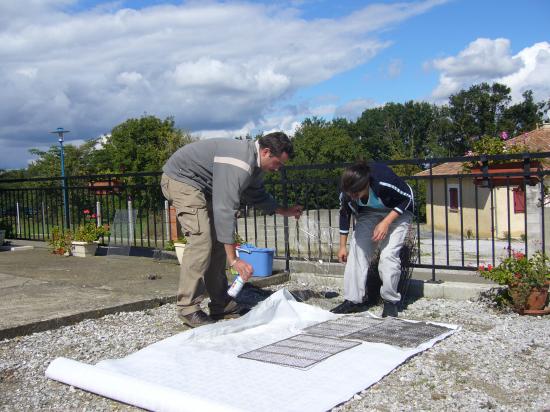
{"x":391,"y":189}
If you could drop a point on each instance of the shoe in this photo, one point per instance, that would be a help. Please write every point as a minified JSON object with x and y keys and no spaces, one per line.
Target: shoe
{"x":196,"y":319}
{"x":231,"y":310}
{"x":348,"y":306}
{"x":390,"y":309}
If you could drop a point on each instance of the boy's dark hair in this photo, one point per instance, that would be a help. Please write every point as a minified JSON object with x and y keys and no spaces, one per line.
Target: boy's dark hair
{"x":355,"y":178}
{"x":277,"y":143}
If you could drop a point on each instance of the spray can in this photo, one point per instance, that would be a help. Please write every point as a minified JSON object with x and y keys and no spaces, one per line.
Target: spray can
{"x":236,"y":287}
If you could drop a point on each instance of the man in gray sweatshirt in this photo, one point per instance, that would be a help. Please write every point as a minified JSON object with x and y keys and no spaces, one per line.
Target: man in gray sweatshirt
{"x":205,"y":181}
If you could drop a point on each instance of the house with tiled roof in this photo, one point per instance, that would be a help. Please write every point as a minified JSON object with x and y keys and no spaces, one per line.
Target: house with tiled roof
{"x":465,"y":204}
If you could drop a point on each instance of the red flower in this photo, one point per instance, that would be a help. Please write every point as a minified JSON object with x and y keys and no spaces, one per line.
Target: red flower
{"x":86,"y":211}
{"x":94,"y":216}
{"x":489,"y":267}
{"x":482,"y":267}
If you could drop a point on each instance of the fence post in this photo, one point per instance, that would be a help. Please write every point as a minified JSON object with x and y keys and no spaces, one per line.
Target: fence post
{"x":98,"y":213}
{"x":285,"y":220}
{"x":66,"y":212}
{"x":18,"y":219}
{"x":432,"y":218}
{"x":167,"y":219}
{"x":174,"y":233}
{"x":43,"y":222}
{"x":130,"y":223}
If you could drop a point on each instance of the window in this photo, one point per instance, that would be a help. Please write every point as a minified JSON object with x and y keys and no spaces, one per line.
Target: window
{"x":453,"y":197}
{"x":519,"y":200}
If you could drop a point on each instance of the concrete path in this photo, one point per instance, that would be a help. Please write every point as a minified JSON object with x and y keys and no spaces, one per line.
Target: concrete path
{"x":41,"y":291}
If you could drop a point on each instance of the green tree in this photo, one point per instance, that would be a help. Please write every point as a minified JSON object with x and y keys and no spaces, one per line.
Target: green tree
{"x":144,"y":144}
{"x":319,"y":141}
{"x":79,"y":160}
{"x":524,"y":116}
{"x":477,"y":111}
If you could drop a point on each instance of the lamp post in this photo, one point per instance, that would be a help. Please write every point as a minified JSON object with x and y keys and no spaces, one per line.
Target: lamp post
{"x":60,"y":132}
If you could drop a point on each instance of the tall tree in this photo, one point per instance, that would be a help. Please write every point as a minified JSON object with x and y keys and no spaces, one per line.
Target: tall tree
{"x":476,"y":112}
{"x":144,"y":144}
{"x":319,"y":141}
{"x":79,"y":160}
{"x":524,"y":116}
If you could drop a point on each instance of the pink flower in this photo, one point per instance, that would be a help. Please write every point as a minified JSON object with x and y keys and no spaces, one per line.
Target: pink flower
{"x":86,"y":212}
{"x":504,"y":135}
{"x":94,"y":216}
{"x":519,"y":255}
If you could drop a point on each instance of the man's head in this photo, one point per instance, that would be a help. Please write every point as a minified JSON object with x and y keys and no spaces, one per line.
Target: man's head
{"x":355,"y":180}
{"x":275,"y":150}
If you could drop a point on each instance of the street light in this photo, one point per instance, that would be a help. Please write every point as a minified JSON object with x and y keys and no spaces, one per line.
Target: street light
{"x":60,"y":132}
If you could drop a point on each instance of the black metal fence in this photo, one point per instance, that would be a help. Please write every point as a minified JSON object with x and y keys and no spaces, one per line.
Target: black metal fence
{"x":463,"y":217}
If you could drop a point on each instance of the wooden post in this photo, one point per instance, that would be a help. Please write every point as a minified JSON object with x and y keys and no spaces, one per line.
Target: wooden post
{"x":174,"y":224}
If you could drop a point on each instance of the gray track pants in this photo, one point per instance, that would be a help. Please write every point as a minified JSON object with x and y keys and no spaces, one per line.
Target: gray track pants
{"x":362,"y":249}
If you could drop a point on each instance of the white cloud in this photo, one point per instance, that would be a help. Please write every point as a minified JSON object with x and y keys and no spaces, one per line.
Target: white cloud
{"x":394,"y":68}
{"x":486,"y":60}
{"x":214,"y":66}
{"x":534,"y":75}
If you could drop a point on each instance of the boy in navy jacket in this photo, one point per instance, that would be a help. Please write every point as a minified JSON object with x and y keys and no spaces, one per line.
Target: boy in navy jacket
{"x":382,"y":204}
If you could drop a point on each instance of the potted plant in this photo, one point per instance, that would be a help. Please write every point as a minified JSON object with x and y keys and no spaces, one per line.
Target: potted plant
{"x":85,"y":236}
{"x":527,"y":281}
{"x":178,"y":246}
{"x":60,"y":241}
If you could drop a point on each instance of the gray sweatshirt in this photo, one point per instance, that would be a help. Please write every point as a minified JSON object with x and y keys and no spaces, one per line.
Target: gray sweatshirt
{"x":226,"y":171}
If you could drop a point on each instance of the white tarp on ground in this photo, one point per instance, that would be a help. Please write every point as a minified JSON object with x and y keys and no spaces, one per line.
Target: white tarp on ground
{"x":199,"y":369}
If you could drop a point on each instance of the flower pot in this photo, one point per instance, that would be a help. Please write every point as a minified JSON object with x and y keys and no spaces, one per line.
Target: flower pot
{"x":515,"y":168}
{"x":537,"y":298}
{"x":180,"y":247}
{"x":83,"y":249}
{"x":105,"y":187}
{"x":529,"y":302}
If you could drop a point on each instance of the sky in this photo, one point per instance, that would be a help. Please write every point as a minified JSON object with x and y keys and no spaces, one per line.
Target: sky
{"x":228,"y":68}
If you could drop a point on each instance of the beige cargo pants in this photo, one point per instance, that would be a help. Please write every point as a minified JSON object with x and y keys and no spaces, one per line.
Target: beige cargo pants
{"x":204,"y":260}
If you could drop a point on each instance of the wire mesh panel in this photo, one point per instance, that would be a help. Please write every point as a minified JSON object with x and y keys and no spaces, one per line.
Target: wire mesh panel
{"x":300,"y":351}
{"x":122,"y":232}
{"x":341,"y":327}
{"x":399,"y":333}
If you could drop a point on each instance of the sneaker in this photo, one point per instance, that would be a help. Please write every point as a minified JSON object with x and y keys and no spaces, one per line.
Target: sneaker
{"x":390,"y":309}
{"x":232,"y":310}
{"x":348,"y":306}
{"x":195,"y":319}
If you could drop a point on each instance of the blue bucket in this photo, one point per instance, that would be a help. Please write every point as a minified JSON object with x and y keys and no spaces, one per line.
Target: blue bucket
{"x":261,"y":259}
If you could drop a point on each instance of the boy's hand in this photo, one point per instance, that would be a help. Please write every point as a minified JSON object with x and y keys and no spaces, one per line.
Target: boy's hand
{"x":342,"y":254}
{"x":380,"y":231}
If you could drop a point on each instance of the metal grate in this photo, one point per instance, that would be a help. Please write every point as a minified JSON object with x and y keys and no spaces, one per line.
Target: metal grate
{"x":343,"y":326}
{"x":300,"y":351}
{"x":400,"y":333}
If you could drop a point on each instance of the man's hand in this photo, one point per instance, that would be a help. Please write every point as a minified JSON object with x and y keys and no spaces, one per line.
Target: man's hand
{"x":294,"y":211}
{"x":342,"y":254}
{"x":244,"y":269}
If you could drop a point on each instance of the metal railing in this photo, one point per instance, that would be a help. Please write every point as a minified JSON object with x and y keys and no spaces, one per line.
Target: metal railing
{"x":462,"y":218}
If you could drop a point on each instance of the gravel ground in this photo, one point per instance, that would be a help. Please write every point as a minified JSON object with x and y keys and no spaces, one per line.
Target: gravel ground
{"x":497,"y":361}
